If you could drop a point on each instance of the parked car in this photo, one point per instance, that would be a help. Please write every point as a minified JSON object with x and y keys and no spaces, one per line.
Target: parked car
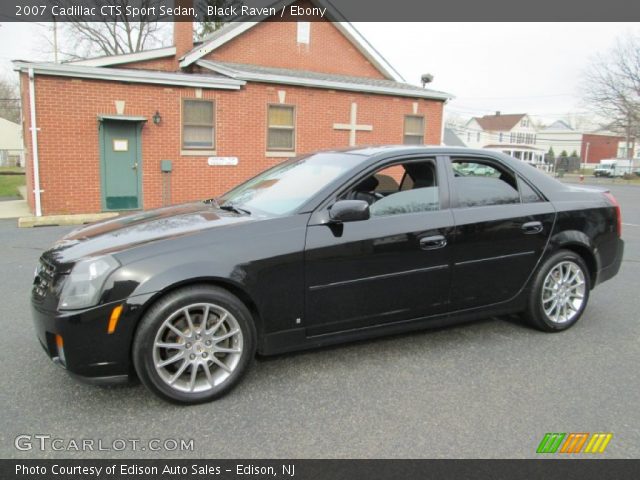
{"x":318,"y":251}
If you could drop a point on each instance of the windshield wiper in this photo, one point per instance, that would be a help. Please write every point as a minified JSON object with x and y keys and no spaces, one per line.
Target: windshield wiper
{"x":230,"y":207}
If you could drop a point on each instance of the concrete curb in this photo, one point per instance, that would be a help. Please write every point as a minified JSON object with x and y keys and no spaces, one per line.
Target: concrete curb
{"x":57,"y":220}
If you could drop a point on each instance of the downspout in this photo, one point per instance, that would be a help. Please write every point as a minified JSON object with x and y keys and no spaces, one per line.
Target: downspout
{"x":34,"y":142}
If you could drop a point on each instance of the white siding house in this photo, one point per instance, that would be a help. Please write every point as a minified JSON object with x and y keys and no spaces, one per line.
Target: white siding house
{"x":513,"y":134}
{"x":11,"y":149}
{"x":561,"y":137}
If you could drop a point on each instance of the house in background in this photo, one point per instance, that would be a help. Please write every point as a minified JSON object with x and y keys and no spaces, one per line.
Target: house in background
{"x":560,"y":137}
{"x":591,"y":147}
{"x":11,"y":149}
{"x":513,"y":134}
{"x":451,"y":138}
{"x":190,"y":121}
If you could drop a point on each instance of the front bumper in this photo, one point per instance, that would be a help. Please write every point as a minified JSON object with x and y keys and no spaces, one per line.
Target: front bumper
{"x":90,"y":352}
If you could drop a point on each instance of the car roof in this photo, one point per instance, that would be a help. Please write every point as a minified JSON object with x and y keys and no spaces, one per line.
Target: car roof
{"x":375,"y":150}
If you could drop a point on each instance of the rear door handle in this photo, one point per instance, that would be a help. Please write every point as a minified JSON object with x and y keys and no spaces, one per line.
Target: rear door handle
{"x":432,"y":243}
{"x":532,"y":227}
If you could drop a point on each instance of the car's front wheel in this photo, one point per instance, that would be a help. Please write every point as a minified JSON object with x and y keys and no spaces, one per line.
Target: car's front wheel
{"x":194,"y":344}
{"x":559,"y":293}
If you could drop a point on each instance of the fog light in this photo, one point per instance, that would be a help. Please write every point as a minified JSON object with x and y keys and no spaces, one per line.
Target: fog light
{"x":113,"y":319}
{"x":60,"y":348}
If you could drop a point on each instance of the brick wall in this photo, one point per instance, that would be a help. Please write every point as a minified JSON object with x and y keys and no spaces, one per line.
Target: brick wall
{"x":167,"y":64}
{"x":67,"y":111}
{"x":274,"y":44}
{"x":600,"y":147}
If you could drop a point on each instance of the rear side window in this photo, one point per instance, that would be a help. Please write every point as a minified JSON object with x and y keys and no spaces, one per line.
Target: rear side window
{"x":481,"y":184}
{"x":528,"y":194}
{"x":480,"y":192}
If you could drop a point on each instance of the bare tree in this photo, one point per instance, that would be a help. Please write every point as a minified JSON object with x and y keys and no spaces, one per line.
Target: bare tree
{"x":116,"y":35}
{"x":612,"y":87}
{"x":9,"y":101}
{"x":212,"y":22}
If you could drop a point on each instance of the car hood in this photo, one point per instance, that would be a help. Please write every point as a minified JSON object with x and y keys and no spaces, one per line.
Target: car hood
{"x":128,"y":231}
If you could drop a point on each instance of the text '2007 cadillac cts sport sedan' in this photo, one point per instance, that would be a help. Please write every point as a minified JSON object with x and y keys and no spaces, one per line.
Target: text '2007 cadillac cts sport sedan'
{"x":331,"y":247}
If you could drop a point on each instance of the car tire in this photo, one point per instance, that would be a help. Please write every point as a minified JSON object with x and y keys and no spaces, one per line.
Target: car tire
{"x":559,"y":293}
{"x":209,"y":331}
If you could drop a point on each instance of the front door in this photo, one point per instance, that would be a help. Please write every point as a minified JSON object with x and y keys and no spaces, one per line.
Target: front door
{"x":120,"y":165}
{"x":392,"y":267}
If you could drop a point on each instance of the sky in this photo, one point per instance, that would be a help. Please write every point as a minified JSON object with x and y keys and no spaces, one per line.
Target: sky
{"x":533,"y":68}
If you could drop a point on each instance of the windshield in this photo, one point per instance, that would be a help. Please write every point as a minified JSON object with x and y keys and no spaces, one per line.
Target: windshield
{"x":284,"y":188}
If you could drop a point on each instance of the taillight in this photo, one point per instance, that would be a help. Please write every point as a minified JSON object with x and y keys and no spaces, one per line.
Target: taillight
{"x":616,"y":205}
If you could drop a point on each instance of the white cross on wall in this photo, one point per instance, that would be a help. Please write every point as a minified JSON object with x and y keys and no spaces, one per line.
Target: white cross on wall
{"x":352,"y":126}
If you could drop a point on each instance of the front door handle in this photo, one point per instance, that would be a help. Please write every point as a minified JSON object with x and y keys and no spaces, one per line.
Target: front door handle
{"x":135,"y":166}
{"x":432,"y":243}
{"x":532,"y":227}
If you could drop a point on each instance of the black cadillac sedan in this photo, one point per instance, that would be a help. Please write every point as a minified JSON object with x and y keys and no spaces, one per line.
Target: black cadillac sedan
{"x":327,"y":248}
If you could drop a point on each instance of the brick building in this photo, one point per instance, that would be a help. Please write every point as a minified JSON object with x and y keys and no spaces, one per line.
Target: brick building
{"x":188,"y":122}
{"x":597,"y":146}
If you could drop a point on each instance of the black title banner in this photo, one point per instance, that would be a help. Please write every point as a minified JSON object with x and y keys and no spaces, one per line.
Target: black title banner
{"x":316,"y":10}
{"x":319,"y":469}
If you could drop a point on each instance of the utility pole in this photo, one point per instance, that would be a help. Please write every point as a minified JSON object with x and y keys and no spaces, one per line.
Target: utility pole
{"x":55,"y":40}
{"x":628,"y":139}
{"x":586,"y":154}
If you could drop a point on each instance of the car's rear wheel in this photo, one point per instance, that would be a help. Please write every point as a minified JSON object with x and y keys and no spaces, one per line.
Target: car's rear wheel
{"x":194,"y":344}
{"x":560,"y":292}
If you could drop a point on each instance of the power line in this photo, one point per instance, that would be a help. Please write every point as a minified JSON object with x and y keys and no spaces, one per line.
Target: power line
{"x":500,"y":139}
{"x":475,"y":111}
{"x":521,"y":96}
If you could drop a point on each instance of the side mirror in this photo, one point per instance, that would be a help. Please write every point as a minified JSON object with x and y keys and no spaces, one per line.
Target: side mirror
{"x":349,"y":211}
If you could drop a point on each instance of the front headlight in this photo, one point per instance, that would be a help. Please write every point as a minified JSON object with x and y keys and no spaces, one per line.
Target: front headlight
{"x":83,"y":286}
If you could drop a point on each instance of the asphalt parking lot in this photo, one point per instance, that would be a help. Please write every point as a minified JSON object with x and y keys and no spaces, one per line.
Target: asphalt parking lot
{"x":490,"y":389}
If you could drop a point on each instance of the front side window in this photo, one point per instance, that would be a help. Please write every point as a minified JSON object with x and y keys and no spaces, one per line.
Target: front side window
{"x":413,"y":130}
{"x":281,"y":130}
{"x":399,"y":189}
{"x":198,"y":124}
{"x":481,"y":184}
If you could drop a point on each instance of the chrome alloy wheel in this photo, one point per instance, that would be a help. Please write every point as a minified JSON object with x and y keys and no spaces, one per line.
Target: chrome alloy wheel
{"x":563,"y":292}
{"x":197,"y":348}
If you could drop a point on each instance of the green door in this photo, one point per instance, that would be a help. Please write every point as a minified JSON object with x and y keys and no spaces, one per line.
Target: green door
{"x":120,"y":164}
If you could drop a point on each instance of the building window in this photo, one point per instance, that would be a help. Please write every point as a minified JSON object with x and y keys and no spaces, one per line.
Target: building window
{"x":500,"y":137}
{"x":524,"y":122}
{"x":512,"y":138}
{"x":281,"y":131}
{"x":478,"y":137}
{"x":198,"y":120}
{"x":413,"y":130}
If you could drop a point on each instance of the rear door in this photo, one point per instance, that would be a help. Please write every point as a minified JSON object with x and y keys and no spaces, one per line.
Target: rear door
{"x":502,"y":229}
